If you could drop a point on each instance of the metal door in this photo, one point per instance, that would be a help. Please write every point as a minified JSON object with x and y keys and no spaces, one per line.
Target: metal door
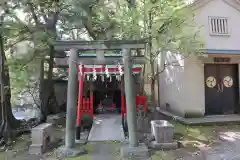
{"x":221,"y":88}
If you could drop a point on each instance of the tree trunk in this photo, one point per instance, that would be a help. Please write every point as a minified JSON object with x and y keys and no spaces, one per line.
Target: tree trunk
{"x":43,"y":94}
{"x":47,"y":93}
{"x":153,"y":95}
{"x":9,"y":124}
{"x":52,"y":102}
{"x":143,"y":80}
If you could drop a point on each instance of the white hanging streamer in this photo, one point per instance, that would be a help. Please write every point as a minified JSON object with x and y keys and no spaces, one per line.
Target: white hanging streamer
{"x":102,"y":78}
{"x":80,"y":69}
{"x":94,"y":73}
{"x":107,"y":72}
{"x":110,"y":79}
{"x":120,"y":69}
{"x":118,"y":77}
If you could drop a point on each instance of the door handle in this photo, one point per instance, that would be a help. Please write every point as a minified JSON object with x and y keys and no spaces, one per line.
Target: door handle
{"x":222,"y":87}
{"x":218,"y":88}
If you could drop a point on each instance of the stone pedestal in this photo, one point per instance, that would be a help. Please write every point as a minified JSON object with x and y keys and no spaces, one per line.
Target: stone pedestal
{"x":162,"y":130}
{"x":42,"y":137}
{"x":140,"y":152}
{"x":163,"y":133}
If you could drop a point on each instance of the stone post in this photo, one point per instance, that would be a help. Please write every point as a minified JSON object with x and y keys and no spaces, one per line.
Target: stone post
{"x":71,"y":100}
{"x":130,"y":98}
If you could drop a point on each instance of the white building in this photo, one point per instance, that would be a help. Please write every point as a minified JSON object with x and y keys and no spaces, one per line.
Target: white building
{"x":207,"y":85}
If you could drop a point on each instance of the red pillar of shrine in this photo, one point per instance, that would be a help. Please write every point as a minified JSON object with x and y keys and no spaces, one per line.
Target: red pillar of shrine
{"x":80,"y":102}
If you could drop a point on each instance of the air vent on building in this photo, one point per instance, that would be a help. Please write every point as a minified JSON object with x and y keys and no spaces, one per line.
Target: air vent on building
{"x":218,"y":26}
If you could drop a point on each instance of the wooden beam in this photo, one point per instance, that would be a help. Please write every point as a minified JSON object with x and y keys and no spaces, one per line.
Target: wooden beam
{"x":63,"y":62}
{"x":102,"y":45}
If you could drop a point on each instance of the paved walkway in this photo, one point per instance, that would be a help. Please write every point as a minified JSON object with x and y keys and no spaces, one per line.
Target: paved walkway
{"x":107,"y":151}
{"x":106,"y":127}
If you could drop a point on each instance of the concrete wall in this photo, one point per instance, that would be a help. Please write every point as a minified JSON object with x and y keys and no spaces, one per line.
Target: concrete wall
{"x":219,"y":8}
{"x":182,"y":86}
{"x":194,"y":87}
{"x":172,"y":84}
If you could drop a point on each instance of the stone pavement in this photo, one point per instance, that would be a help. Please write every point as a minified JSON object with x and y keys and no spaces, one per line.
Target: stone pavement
{"x":106,"y":127}
{"x":105,"y":151}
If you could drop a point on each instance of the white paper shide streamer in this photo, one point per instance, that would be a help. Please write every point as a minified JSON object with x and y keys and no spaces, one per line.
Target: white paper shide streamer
{"x":94,"y":73}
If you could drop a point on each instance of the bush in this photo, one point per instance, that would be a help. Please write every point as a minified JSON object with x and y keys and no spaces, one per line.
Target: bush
{"x":87,"y":121}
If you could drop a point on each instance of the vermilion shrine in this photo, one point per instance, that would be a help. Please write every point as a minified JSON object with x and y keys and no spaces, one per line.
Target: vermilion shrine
{"x":106,"y":80}
{"x":99,"y":83}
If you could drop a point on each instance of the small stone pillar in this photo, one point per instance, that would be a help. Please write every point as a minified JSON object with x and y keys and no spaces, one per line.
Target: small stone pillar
{"x":42,"y":137}
{"x":163,"y":132}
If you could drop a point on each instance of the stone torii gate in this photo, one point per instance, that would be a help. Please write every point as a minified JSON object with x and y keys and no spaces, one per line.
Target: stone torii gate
{"x":73,"y":60}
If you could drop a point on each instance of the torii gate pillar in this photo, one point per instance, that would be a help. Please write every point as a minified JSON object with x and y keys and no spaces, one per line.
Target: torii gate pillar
{"x":133,"y":149}
{"x":69,"y":150}
{"x":130,"y":98}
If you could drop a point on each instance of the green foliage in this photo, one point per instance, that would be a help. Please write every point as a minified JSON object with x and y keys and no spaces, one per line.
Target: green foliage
{"x":168,"y":26}
{"x":87,"y":120}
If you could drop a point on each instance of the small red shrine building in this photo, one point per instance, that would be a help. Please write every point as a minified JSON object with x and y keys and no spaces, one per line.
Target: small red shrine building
{"x":103,"y":86}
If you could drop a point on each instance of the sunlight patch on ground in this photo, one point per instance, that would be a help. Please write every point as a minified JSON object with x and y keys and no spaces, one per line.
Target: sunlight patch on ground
{"x":194,"y":138}
{"x":229,"y":136}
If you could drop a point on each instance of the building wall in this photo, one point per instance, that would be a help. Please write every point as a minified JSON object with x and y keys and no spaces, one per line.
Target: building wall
{"x":182,"y":86}
{"x":219,"y":8}
{"x":172,"y":84}
{"x":194,"y":87}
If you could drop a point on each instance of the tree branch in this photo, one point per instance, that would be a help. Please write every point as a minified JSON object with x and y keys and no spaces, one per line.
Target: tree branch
{"x":89,"y":28}
{"x":169,"y":64}
{"x":32,"y":10}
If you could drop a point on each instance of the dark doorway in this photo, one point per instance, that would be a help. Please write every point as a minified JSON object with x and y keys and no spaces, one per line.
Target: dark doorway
{"x":109,"y":97}
{"x":221,"y":89}
{"x":107,"y":93}
{"x":117,"y":100}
